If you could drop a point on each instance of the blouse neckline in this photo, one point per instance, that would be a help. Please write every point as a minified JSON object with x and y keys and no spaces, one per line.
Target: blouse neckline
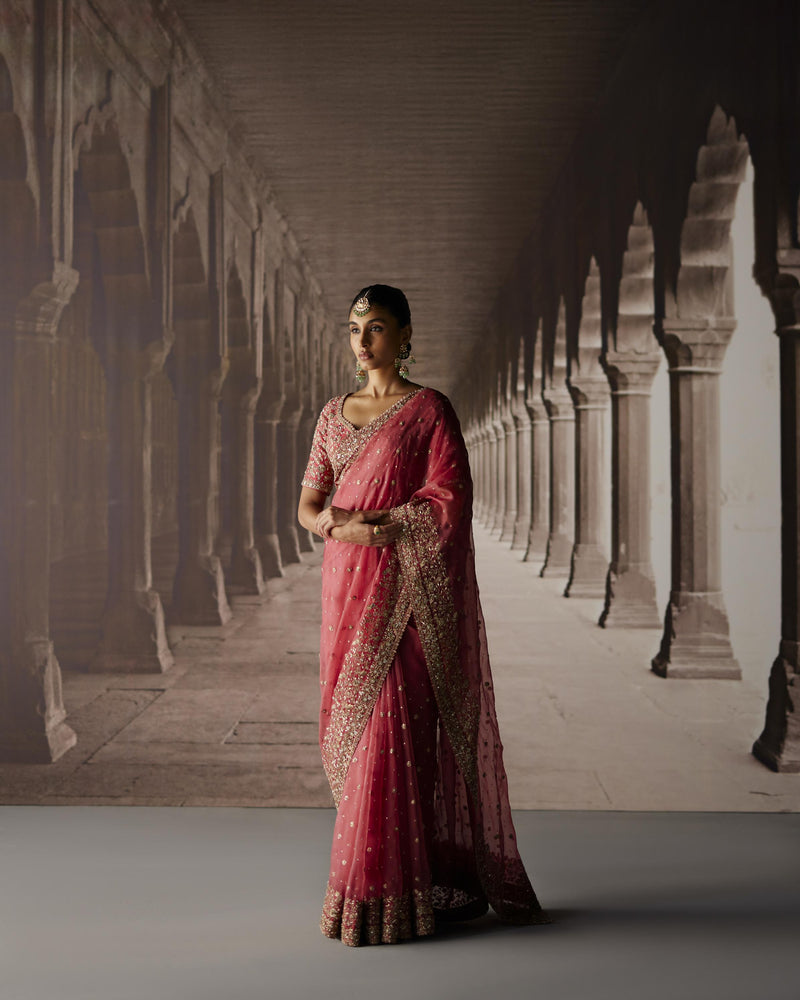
{"x":389,"y":411}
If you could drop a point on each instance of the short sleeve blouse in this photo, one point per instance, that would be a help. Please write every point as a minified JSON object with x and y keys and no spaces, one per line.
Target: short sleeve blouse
{"x":319,"y":471}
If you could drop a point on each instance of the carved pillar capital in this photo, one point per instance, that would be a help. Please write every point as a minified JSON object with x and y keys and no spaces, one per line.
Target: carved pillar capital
{"x":132,"y":362}
{"x":248,"y":388}
{"x":783,"y":291}
{"x":696,"y":345}
{"x":215,"y":377}
{"x":589,"y":392}
{"x":630,"y":372}
{"x":534,"y":404}
{"x":519,"y":412}
{"x":39,"y":312}
{"x":270,"y":407}
{"x":558,"y":402}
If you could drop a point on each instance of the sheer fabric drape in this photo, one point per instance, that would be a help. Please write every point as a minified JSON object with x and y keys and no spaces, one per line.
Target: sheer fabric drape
{"x":408,"y":729}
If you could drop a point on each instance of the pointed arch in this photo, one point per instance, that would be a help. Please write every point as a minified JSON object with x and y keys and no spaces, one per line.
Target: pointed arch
{"x":590,"y":338}
{"x":17,"y":205}
{"x":103,"y":178}
{"x":271,"y":357}
{"x":190,"y":293}
{"x":555,"y":367}
{"x":703,"y":288}
{"x":633,"y":330}
{"x":238,"y":324}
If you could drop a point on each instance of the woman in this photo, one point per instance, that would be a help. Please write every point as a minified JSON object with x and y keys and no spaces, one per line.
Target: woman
{"x":408,"y":729}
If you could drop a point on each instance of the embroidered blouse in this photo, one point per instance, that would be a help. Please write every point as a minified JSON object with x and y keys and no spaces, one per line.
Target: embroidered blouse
{"x":337,"y":442}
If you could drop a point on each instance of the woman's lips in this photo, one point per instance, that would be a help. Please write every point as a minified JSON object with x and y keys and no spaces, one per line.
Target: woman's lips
{"x":364,"y":356}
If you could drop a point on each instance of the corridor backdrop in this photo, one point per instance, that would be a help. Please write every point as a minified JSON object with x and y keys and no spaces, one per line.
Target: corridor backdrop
{"x":592,"y":208}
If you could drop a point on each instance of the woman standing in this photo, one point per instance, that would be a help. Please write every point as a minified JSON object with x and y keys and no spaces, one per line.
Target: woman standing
{"x":408,"y":730}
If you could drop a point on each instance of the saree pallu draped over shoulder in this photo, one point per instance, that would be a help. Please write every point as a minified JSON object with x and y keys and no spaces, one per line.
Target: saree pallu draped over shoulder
{"x":408,"y":729}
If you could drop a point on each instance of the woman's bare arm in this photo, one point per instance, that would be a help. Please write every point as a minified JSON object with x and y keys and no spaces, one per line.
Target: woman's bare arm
{"x":310,"y":507}
{"x":357,"y":526}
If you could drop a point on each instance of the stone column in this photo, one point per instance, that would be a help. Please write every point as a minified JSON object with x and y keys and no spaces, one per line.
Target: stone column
{"x":536,"y":551}
{"x":245,"y":386}
{"x":561,"y":415}
{"x":491,"y":473}
{"x":473,"y":450}
{"x":589,"y":390}
{"x":630,"y":587}
{"x":778,"y":746}
{"x":266,"y":443}
{"x":32,"y":715}
{"x":696,"y":637}
{"x":499,"y":503}
{"x":288,"y":483}
{"x":484,"y":448}
{"x":134,"y":639}
{"x":305,"y":434}
{"x":509,"y":511}
{"x":522,"y":424}
{"x":198,"y":594}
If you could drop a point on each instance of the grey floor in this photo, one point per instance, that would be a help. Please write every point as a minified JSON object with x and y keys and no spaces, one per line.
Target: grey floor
{"x":116,"y":903}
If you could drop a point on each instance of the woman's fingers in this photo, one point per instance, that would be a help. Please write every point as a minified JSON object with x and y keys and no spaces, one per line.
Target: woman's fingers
{"x":323,"y":524}
{"x":387,"y":534}
{"x":362,"y":533}
{"x":374,"y":516}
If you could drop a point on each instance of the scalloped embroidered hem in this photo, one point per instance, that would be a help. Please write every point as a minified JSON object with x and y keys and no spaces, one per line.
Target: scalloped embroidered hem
{"x":381,"y":920}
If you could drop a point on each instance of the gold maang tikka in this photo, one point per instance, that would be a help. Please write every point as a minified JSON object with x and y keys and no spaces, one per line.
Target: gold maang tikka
{"x":362,"y":306}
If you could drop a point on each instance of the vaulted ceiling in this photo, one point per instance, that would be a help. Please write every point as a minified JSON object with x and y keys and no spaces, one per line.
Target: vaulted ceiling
{"x":412,"y":142}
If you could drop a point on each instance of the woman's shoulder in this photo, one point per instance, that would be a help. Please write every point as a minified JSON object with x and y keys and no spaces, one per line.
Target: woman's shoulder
{"x":332,"y":405}
{"x":433,"y":396}
{"x":437,"y":400}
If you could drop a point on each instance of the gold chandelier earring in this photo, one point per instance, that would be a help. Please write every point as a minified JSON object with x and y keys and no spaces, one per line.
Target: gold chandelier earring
{"x":360,"y":374}
{"x":403,"y":360}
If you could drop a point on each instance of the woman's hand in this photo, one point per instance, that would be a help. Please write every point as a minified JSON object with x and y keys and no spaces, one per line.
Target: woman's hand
{"x":364,"y":533}
{"x":333,"y":517}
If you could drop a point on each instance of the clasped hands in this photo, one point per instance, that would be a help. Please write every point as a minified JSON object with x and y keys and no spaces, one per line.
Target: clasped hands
{"x":357,"y":526}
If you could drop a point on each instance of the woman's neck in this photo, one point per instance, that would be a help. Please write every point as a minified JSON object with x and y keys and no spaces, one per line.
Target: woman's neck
{"x":383,"y":382}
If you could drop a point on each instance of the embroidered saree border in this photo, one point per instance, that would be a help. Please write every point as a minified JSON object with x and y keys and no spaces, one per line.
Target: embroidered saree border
{"x":364,"y":670}
{"x":379,"y":920}
{"x":425,"y":575}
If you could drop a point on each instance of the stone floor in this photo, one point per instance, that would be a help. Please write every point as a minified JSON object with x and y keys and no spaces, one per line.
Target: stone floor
{"x":586,"y":724}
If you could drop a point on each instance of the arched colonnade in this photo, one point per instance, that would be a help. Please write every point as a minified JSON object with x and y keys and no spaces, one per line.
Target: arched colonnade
{"x":156,"y":315}
{"x":630,"y":268}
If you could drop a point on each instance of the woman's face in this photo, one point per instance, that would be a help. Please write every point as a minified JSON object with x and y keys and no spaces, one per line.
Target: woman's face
{"x":376,"y":338}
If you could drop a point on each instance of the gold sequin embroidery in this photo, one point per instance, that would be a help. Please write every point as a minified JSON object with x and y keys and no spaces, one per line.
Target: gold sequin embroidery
{"x":425,"y":575}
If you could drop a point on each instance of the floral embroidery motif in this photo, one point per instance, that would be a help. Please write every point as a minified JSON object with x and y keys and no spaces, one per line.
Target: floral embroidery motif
{"x":425,"y":575}
{"x":364,"y":670}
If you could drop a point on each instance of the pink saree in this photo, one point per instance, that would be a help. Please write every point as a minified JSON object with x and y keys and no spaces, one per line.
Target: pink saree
{"x":408,"y":729}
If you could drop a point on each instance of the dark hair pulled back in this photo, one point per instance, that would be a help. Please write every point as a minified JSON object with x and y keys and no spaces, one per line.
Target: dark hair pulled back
{"x":388,"y":297}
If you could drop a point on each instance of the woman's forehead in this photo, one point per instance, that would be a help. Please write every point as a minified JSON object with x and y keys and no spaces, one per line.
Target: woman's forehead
{"x":376,"y":312}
